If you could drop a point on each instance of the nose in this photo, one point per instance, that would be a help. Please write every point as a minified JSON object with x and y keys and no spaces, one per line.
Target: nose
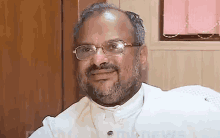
{"x":99,"y":57}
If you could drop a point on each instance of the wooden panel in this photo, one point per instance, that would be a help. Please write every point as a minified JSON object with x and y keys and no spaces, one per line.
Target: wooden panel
{"x":175,"y":68}
{"x":85,"y":3}
{"x":133,"y":5}
{"x":156,"y":68}
{"x":138,"y":7}
{"x":70,"y":17}
{"x":183,"y":68}
{"x":30,"y":64}
{"x":211,"y":69}
{"x":144,"y":72}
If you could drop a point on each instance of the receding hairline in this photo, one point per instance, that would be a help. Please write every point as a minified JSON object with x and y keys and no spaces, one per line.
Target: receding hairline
{"x":135,"y":20}
{"x":120,"y":20}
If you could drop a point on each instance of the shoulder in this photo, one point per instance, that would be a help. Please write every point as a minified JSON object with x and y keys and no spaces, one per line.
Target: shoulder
{"x":67,"y":120}
{"x":185,"y":101}
{"x":151,"y":90}
{"x":194,"y":95}
{"x":75,"y":110}
{"x":180,"y":107}
{"x":199,"y":93}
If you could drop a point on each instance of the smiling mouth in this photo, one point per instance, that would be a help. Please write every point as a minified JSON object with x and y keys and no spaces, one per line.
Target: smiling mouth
{"x":103,"y":74}
{"x":102,"y":71}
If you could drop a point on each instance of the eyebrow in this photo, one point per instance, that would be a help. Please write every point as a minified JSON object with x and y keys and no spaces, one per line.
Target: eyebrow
{"x":111,"y":40}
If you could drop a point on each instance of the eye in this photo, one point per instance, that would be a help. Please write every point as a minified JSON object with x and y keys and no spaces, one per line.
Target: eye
{"x":86,"y":49}
{"x":115,"y":47}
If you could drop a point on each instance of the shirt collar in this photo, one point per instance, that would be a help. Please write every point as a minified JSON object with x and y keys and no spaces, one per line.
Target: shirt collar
{"x":119,"y":111}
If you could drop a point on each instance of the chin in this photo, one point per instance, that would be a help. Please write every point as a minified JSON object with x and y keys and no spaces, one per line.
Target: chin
{"x":115,"y":95}
{"x":104,"y":87}
{"x":105,"y":93}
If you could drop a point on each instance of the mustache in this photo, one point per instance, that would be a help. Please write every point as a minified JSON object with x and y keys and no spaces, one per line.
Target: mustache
{"x":102,"y":66}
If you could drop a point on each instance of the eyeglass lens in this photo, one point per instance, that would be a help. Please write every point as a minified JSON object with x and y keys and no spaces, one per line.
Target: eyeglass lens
{"x":110,"y":48}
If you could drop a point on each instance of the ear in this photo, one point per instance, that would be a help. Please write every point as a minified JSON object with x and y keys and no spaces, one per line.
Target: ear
{"x":143,"y":57}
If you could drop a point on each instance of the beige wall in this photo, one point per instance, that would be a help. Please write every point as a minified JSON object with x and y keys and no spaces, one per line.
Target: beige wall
{"x":174,"y":64}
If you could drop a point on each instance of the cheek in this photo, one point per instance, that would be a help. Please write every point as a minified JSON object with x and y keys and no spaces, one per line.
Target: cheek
{"x":82,"y":66}
{"x":126,"y":66}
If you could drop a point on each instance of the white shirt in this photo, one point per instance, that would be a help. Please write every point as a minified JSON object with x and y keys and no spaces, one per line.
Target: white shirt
{"x":161,"y":114}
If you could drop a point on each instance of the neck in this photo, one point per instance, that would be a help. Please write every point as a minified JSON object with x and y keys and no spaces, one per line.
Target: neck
{"x":131,"y":92}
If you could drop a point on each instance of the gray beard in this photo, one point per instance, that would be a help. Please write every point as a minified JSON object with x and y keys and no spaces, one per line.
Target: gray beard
{"x":120,"y":92}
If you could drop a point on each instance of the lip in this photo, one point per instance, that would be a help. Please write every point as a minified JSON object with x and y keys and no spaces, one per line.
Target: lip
{"x":103,"y":74}
{"x":102,"y":71}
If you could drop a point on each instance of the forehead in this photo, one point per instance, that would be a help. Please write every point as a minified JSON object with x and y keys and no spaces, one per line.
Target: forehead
{"x":101,"y":27}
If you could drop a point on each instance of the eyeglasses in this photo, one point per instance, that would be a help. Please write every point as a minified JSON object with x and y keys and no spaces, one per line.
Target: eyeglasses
{"x":111,"y":48}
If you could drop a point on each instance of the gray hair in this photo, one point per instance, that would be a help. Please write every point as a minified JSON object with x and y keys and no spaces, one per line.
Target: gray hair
{"x":136,"y":21}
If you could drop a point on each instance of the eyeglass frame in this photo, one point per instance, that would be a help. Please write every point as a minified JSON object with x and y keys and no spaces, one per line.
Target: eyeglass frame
{"x":124,"y":43}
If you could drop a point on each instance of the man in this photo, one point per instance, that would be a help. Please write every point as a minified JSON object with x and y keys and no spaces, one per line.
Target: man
{"x":111,"y":52}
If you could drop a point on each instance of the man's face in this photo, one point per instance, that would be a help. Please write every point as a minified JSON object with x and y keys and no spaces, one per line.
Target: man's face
{"x":108,"y":80}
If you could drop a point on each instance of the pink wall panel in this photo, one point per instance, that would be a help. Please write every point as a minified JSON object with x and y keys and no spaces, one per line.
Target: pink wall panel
{"x":202,"y":16}
{"x":174,"y":16}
